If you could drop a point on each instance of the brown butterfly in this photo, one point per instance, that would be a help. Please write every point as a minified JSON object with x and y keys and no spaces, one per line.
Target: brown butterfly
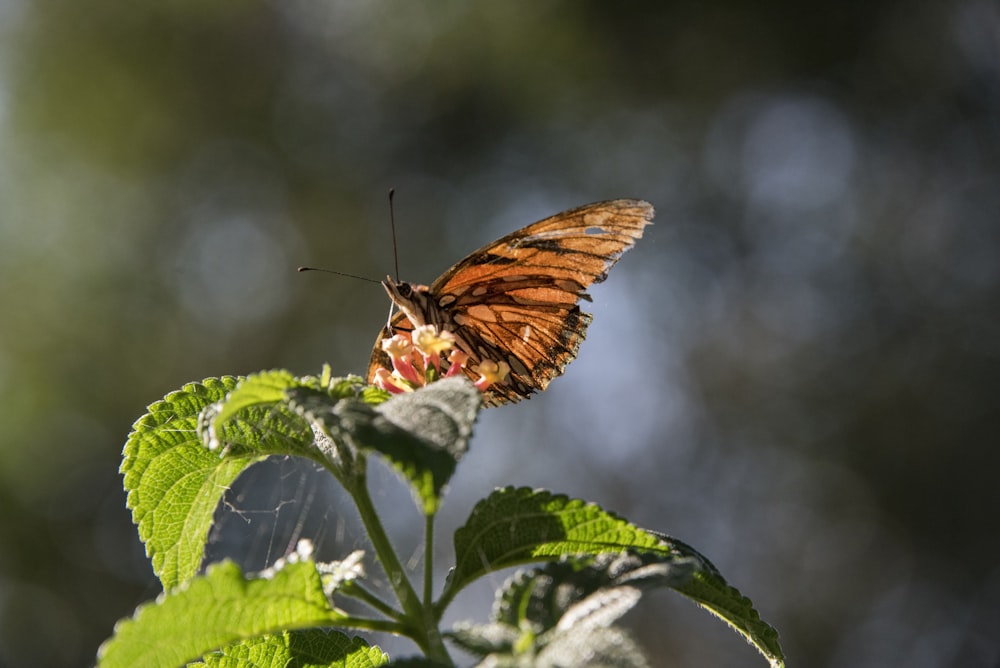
{"x":516,"y":300}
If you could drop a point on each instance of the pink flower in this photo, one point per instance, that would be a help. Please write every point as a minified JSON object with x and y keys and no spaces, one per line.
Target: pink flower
{"x":388,"y":381}
{"x":416,"y":361}
{"x":400,"y":349}
{"x":429,"y":341}
{"x":431,"y":344}
{"x":456,"y":361}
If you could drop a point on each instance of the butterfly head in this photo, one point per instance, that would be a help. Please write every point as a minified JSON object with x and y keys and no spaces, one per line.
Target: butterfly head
{"x":412,"y":299}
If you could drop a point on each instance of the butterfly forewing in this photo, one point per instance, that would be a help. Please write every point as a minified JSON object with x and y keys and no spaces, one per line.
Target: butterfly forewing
{"x":516,"y":299}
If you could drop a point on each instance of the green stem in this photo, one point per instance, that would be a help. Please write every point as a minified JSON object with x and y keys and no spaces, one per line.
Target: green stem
{"x":423,"y":621}
{"x":354,"y":589}
{"x":429,"y":562}
{"x":381,"y":625}
{"x":442,"y":603}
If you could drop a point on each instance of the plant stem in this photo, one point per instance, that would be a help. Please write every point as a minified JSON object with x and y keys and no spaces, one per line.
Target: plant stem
{"x":429,"y":562}
{"x":423,"y":622}
{"x":354,"y":589}
{"x":382,"y":625}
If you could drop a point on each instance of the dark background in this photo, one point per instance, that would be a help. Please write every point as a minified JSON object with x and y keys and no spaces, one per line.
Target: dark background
{"x":797,"y":370}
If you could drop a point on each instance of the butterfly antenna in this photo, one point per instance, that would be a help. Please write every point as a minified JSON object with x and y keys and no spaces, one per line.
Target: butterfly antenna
{"x":395,"y":254}
{"x":339,"y":273}
{"x":392,"y":224}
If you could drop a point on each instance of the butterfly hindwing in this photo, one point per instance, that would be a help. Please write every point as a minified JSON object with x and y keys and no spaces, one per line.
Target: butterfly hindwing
{"x":516,"y":299}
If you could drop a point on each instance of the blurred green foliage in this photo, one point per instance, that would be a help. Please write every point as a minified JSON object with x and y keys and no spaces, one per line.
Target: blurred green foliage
{"x":807,"y":342}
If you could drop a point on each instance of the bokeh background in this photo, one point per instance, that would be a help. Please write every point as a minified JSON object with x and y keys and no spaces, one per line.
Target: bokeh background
{"x":797,"y":370}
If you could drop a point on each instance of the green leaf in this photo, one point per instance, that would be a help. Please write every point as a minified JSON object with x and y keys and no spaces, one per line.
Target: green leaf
{"x":256,"y":418}
{"x":492,"y":639}
{"x":580,"y":647}
{"x":593,"y":591}
{"x":441,"y":414}
{"x":573,"y":598}
{"x":515,"y":526}
{"x":173,"y":482}
{"x":422,"y":434}
{"x":333,"y":441}
{"x":352,"y":386}
{"x":218,"y":609}
{"x":261,"y":388}
{"x":710,"y":590}
{"x":302,"y":649}
{"x":375,"y":395}
{"x":605,"y":647}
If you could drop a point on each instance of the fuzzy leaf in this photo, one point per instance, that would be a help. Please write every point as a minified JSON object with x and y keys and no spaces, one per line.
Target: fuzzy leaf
{"x":256,"y":418}
{"x":579,"y":647}
{"x":607,"y":647}
{"x":710,"y":590}
{"x":537,"y":608}
{"x":422,"y":434}
{"x":310,"y":648}
{"x":483,"y":640}
{"x":262,"y":388}
{"x":590,"y":591}
{"x":218,"y":609}
{"x":173,"y":482}
{"x":513,"y":526}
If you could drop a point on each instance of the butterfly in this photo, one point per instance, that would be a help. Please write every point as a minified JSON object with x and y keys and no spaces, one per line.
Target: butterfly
{"x":516,"y":300}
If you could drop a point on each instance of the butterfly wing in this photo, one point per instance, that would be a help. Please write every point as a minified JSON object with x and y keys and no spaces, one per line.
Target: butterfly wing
{"x":517,"y":299}
{"x":398,"y":323}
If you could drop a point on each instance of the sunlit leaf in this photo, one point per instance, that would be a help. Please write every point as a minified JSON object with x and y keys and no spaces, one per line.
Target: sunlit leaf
{"x":311,"y":648}
{"x":710,"y":590}
{"x":173,"y":482}
{"x":255,"y":418}
{"x":515,"y":526}
{"x":218,"y":609}
{"x":518,"y":525}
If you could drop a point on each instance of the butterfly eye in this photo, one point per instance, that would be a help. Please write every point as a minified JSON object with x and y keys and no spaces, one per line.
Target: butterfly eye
{"x":405,"y":290}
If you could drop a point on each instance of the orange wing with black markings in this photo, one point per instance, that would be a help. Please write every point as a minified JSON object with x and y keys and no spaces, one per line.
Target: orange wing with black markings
{"x":517,"y":299}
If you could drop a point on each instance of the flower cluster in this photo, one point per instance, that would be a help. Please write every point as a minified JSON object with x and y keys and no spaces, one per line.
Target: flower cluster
{"x":418,"y":358}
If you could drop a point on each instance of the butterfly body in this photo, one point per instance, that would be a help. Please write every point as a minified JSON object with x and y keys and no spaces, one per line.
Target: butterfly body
{"x":516,"y":300}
